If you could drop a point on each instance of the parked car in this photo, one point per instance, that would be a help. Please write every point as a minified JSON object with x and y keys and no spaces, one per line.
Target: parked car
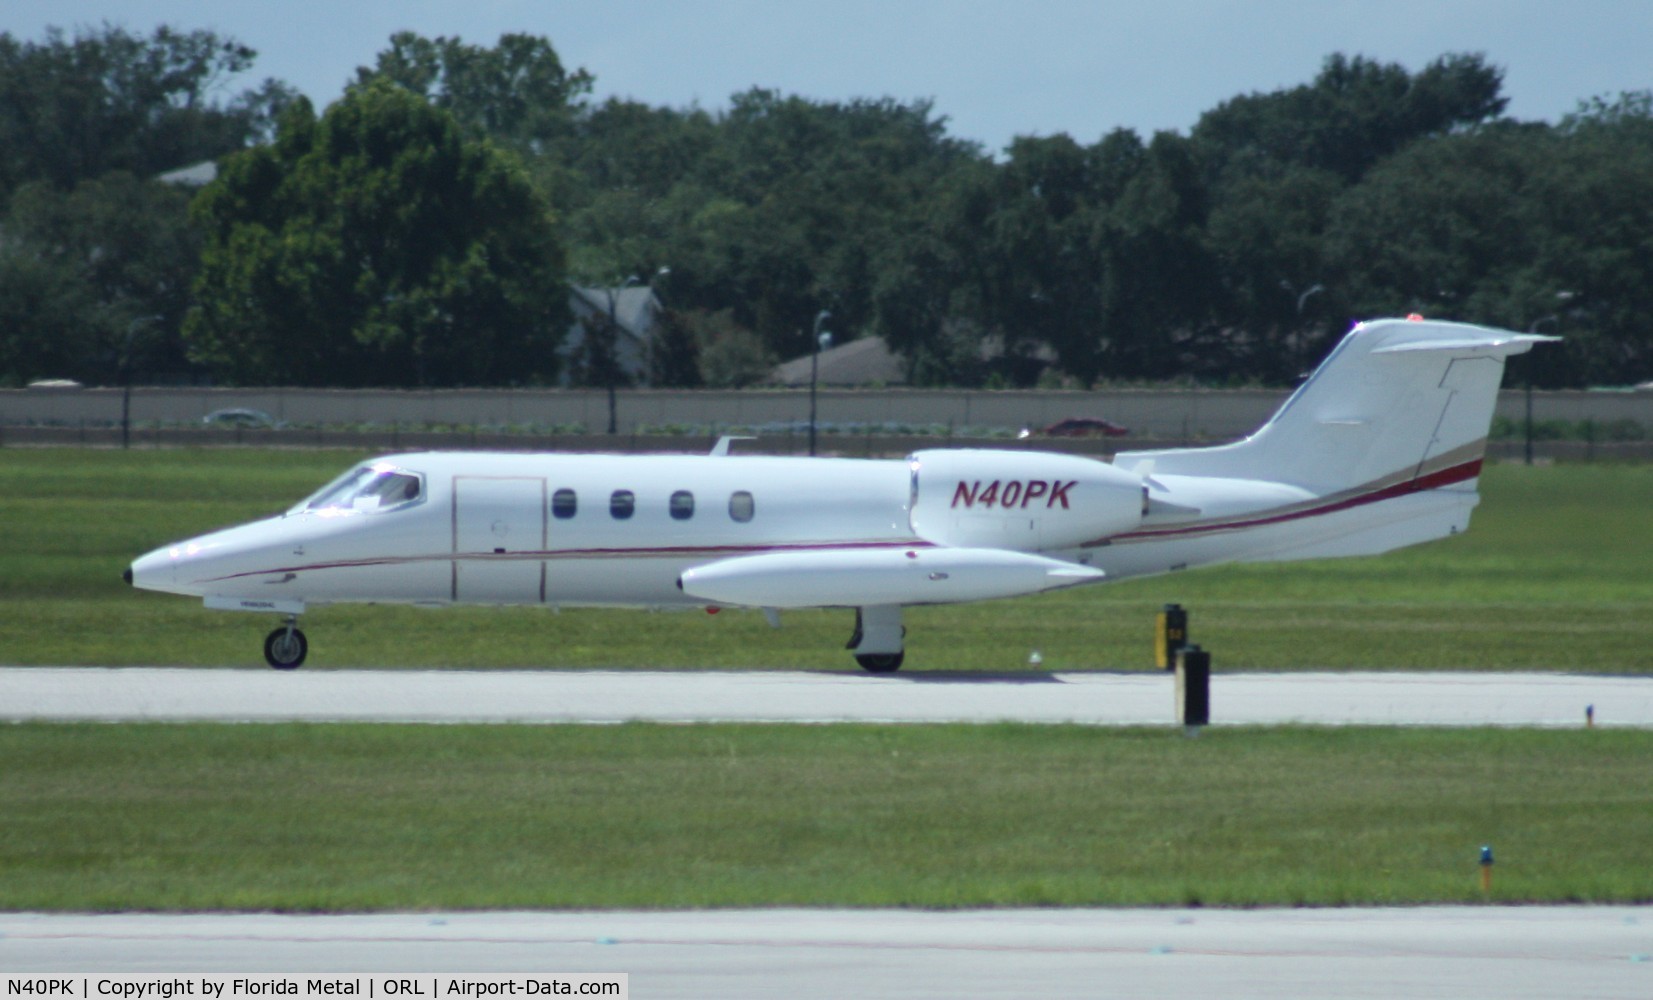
{"x":1078,"y":427}
{"x":240,"y":417}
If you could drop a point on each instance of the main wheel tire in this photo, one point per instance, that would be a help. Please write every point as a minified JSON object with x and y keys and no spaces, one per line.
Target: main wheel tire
{"x":881,"y":663}
{"x":285,"y":648}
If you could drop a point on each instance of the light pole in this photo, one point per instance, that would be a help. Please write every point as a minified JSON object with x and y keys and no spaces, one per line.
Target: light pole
{"x":1527,"y":364}
{"x":611,"y":351}
{"x":126,"y":377}
{"x":1303,"y":298}
{"x":822,"y":340}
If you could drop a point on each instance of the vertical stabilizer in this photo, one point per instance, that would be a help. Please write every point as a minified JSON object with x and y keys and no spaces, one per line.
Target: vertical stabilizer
{"x":1397,"y":401}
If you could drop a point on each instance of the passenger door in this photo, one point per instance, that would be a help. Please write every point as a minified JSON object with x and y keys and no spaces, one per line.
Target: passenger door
{"x":499,"y":540}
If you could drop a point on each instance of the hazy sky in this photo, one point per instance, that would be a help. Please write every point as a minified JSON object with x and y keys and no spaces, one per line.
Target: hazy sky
{"x":994,"y":68}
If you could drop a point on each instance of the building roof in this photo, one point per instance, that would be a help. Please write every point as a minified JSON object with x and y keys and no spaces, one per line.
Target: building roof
{"x":194,"y":175}
{"x":867,"y":361}
{"x":634,"y":307}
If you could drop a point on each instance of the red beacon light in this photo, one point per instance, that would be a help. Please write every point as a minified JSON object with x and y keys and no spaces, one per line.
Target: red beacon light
{"x":1414,"y":318}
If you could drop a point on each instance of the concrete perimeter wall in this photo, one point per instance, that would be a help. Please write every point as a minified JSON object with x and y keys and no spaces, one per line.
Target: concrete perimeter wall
{"x":1151,"y":414}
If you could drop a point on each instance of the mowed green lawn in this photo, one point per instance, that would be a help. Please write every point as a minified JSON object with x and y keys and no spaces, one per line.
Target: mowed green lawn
{"x":341,"y":817}
{"x":1555,"y":573}
{"x":318,"y":817}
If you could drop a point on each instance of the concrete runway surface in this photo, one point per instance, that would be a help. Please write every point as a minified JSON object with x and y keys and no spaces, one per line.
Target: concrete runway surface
{"x":1446,"y":952}
{"x":254,"y":695}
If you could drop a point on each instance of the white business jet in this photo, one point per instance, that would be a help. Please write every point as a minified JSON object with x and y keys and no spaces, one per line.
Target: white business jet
{"x":1380,"y":448}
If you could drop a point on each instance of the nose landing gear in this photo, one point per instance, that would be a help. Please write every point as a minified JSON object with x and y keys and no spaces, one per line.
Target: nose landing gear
{"x":286,"y":647}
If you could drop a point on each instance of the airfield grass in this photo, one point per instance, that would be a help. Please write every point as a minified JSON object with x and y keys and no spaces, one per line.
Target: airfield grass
{"x":361,"y":818}
{"x":1553,"y":574}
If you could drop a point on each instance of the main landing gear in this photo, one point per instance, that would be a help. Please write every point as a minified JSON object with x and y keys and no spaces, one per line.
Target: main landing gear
{"x":881,"y":663}
{"x":286,"y":647}
{"x":876,"y":642}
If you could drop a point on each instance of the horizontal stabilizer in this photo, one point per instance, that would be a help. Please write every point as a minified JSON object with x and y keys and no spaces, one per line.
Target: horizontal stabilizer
{"x":1498,"y":341}
{"x":864,"y":577}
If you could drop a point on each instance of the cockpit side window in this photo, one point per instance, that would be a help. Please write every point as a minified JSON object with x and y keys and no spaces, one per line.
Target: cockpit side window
{"x":369,"y":489}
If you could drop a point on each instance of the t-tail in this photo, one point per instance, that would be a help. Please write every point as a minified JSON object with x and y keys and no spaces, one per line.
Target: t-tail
{"x":1382,"y":446}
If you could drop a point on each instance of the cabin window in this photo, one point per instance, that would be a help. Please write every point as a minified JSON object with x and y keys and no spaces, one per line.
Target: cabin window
{"x":622,"y":504}
{"x":564,"y":504}
{"x":741,"y":506}
{"x":368,"y":488}
{"x":682,"y":505}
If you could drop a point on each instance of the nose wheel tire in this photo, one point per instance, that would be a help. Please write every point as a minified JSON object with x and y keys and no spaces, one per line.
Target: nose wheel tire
{"x":285,"y":648}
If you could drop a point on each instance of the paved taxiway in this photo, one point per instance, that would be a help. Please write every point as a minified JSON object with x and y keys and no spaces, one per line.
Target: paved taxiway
{"x":1428,"y":952}
{"x":1442,"y":699}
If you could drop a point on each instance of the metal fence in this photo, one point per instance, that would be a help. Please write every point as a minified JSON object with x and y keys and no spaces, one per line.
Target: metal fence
{"x":1151,"y":414}
{"x":791,"y":441}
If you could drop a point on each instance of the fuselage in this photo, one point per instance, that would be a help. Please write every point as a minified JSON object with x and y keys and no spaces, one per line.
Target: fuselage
{"x":594,"y":530}
{"x":506,"y":528}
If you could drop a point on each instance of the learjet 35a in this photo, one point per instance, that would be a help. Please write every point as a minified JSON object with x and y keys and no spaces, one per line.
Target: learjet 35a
{"x":1380,"y":448}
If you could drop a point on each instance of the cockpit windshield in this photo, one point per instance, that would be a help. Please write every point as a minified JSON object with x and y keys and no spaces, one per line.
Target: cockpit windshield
{"x":366,"y":488}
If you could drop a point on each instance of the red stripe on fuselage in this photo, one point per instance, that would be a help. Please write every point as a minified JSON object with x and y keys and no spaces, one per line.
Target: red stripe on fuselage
{"x":660,"y":552}
{"x":1421,"y":484}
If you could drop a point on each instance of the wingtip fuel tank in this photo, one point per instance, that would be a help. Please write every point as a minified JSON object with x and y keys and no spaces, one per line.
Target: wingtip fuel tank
{"x":905,"y":575}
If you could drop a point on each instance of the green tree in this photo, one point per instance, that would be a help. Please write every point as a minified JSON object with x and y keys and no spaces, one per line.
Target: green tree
{"x":1044,"y":274}
{"x":623,"y":145}
{"x":517,"y":93}
{"x":1159,"y":303}
{"x":1267,"y":235}
{"x":1444,"y":228}
{"x":674,"y":353}
{"x":72,"y":110}
{"x":776,"y":209}
{"x":376,"y":246}
{"x":731,"y":356}
{"x":98,"y":279}
{"x":1356,"y":112}
{"x":1519,"y":226}
{"x":922,"y":302}
{"x":1094,"y":253}
{"x":42,"y":320}
{"x":1592,"y":205}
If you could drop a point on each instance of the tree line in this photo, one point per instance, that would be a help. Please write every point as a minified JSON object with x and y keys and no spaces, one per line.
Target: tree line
{"x":423,"y":228}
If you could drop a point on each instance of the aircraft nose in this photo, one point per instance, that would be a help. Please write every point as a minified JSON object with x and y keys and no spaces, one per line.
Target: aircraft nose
{"x":155,"y":571}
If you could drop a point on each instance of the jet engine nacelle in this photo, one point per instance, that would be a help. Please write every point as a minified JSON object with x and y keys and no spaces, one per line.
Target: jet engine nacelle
{"x":1025,"y":500}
